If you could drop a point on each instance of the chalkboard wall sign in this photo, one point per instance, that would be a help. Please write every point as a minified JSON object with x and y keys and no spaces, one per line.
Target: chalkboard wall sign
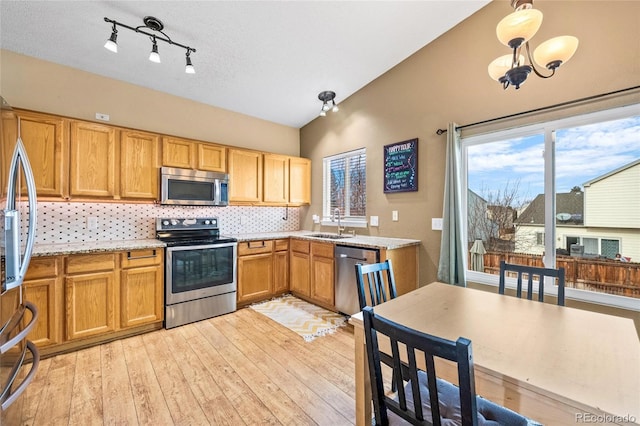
{"x":401,"y":166}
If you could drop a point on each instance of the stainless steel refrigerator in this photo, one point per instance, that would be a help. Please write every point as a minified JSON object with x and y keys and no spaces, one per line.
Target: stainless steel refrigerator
{"x":19,"y":357}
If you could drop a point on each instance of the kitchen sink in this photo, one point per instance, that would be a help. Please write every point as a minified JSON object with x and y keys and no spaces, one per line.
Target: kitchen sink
{"x":330,"y":236}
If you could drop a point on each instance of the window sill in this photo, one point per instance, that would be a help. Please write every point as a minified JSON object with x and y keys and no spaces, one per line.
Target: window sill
{"x":347,"y":223}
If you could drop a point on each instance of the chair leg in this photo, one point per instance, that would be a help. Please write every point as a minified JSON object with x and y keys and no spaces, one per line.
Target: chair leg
{"x":394,"y":388}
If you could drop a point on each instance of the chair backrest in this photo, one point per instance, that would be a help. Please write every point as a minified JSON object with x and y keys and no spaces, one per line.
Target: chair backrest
{"x":531,"y":272}
{"x":406,"y":346}
{"x":375,"y":283}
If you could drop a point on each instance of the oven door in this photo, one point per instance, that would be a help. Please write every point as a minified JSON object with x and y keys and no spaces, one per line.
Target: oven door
{"x":195,"y":272}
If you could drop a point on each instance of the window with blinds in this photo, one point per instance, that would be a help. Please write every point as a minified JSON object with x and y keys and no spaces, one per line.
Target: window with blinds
{"x":345,"y":184}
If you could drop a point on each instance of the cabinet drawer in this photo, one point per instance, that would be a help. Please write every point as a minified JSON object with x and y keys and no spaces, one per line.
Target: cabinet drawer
{"x":282,"y":245}
{"x":254,"y":247}
{"x":301,"y":246}
{"x":322,"y":249}
{"x":42,"y":267}
{"x":82,"y":263}
{"x":149,"y":257}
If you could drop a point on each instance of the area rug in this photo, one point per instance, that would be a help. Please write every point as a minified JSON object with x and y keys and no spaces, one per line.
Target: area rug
{"x":306,"y":319}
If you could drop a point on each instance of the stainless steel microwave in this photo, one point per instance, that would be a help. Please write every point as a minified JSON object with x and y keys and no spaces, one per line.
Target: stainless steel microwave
{"x":193,"y":187}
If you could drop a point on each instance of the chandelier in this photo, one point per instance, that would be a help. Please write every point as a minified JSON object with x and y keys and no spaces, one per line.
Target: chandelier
{"x":515,"y":30}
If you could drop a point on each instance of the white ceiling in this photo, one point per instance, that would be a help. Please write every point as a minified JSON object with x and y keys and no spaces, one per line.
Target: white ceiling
{"x":266,"y":59}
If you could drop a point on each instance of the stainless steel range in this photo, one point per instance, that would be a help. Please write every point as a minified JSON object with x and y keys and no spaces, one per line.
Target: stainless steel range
{"x":200,"y":270}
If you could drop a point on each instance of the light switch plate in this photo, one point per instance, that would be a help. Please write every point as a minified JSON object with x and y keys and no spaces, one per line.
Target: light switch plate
{"x":244,"y":220}
{"x":394,"y":215}
{"x":316,"y":218}
{"x":373,"y":220}
{"x":436,"y":224}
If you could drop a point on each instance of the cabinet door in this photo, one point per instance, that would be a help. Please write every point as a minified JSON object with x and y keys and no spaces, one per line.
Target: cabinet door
{"x":276,"y":179}
{"x":245,"y":176}
{"x":138,"y":165}
{"x":46,"y":294}
{"x":322,"y":278}
{"x":300,"y":278}
{"x":178,"y":153}
{"x":280,"y":271}
{"x":299,"y":180}
{"x":255,"y":277}
{"x":212,"y":158}
{"x":93,"y":159}
{"x":90,"y":300}
{"x":46,"y":141}
{"x":141,"y":296}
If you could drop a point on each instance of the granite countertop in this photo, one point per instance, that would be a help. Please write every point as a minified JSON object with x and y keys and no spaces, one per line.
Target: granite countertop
{"x":366,"y":241}
{"x":95,"y":247}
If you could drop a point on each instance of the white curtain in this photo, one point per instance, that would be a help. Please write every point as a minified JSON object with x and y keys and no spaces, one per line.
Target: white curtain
{"x":453,"y":251}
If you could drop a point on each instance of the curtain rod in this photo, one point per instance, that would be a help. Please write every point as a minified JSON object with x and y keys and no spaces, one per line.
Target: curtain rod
{"x":589,"y":98}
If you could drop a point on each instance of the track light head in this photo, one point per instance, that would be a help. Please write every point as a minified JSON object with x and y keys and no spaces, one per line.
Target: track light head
{"x":189,"y":69}
{"x":154,"y":56}
{"x":112,"y":44}
{"x":328,"y":102}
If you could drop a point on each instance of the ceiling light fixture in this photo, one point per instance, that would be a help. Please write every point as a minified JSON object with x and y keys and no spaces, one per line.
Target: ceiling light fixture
{"x":515,"y":30}
{"x":328,"y":102}
{"x":156,"y":26}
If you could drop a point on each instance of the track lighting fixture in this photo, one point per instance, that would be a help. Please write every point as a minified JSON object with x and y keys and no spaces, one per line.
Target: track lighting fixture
{"x":155,"y":26}
{"x":328,"y":102}
{"x":515,"y":30}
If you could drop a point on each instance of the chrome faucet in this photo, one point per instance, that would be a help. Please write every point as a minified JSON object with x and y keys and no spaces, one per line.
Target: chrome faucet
{"x":336,"y":214}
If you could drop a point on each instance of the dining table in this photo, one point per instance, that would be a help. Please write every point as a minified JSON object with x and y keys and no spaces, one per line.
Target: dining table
{"x":554,"y":364}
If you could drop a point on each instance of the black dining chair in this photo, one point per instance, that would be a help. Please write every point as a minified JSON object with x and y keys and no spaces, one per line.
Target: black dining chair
{"x":531,"y":272}
{"x":426,"y":399}
{"x":375,"y":283}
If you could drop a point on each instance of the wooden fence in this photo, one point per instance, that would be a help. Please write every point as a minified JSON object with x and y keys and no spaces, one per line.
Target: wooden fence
{"x":601,"y":275}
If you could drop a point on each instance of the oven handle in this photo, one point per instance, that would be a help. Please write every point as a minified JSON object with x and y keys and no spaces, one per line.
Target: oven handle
{"x":141,"y":257}
{"x":201,"y":247}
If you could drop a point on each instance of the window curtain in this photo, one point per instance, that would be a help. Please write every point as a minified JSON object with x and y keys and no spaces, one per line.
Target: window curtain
{"x":453,"y":251}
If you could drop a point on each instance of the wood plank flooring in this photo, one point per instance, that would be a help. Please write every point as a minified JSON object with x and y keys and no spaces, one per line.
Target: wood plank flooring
{"x":236,"y":369}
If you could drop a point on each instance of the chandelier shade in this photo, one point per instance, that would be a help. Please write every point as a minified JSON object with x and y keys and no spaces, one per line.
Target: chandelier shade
{"x":499,"y":66}
{"x":555,"y":51}
{"x":519,"y":27}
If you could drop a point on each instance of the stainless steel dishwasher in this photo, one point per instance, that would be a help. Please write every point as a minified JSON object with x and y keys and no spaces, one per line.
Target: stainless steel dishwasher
{"x":346,"y":288}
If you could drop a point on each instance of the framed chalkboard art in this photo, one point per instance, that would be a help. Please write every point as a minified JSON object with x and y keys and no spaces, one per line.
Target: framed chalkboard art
{"x":401,"y":166}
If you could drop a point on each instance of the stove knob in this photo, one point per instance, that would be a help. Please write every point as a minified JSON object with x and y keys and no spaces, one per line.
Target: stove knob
{"x":174,"y":222}
{"x":207,"y":222}
{"x":165,"y":222}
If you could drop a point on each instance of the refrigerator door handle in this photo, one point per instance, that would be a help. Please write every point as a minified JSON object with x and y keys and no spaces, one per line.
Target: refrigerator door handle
{"x":6,"y":341}
{"x":7,"y":397}
{"x":15,"y":277}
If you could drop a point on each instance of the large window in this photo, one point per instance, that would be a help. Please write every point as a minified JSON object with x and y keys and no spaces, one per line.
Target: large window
{"x":345,"y":185}
{"x":560,"y":194}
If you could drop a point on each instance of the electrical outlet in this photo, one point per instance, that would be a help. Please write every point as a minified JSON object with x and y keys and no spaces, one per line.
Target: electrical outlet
{"x":394,"y":215}
{"x":102,"y":117}
{"x":373,"y":220}
{"x":316,"y":218}
{"x":92,"y":223}
{"x":244,"y":220}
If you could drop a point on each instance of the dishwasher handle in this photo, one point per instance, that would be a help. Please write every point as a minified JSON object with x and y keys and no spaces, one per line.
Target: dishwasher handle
{"x":344,"y":256}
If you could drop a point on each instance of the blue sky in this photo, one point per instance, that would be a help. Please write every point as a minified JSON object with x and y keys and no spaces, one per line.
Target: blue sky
{"x":582,"y":153}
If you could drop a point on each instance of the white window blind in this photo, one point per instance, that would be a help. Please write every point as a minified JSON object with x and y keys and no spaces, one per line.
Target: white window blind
{"x":345,"y":184}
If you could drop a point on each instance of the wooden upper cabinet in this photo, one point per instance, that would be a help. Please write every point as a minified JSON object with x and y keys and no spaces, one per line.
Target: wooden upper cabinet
{"x":178,"y":153}
{"x":187,"y":154}
{"x":300,"y":180}
{"x":139,"y":164}
{"x":212,"y":157}
{"x":94,"y":154}
{"x":276,"y":178}
{"x":245,"y":176}
{"x":45,"y":139}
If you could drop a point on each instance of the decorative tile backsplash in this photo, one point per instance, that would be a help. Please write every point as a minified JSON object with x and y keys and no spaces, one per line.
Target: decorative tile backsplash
{"x":69,"y":222}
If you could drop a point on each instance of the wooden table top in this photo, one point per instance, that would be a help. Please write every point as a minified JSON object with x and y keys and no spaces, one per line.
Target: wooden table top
{"x":575,"y":356}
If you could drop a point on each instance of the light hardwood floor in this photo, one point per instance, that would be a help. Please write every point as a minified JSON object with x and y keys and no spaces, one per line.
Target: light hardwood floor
{"x":236,"y":369}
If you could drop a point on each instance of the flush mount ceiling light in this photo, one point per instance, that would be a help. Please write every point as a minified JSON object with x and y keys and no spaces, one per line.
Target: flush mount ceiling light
{"x":515,"y":30}
{"x":155,"y":26}
{"x":328,"y":102}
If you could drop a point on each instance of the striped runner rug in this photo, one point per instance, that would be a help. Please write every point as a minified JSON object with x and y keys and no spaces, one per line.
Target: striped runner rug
{"x":306,"y":319}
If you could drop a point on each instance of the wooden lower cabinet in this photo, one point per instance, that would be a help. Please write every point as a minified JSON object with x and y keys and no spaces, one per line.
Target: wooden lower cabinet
{"x":281,"y":266}
{"x":322,"y":274}
{"x":90,"y":304}
{"x":141,"y":287}
{"x":300,"y":278}
{"x":255,"y":271}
